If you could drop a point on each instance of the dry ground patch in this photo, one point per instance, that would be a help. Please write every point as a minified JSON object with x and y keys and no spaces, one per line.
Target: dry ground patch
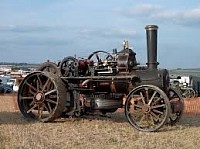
{"x":92,"y":132}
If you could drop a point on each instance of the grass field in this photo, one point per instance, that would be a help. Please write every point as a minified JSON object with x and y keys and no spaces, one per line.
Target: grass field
{"x":91,"y":132}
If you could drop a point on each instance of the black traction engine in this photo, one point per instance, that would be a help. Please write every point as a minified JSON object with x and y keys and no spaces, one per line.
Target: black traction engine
{"x":102,"y":83}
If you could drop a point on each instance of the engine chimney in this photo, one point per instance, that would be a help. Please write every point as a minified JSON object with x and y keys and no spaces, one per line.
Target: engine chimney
{"x":151,"y":33}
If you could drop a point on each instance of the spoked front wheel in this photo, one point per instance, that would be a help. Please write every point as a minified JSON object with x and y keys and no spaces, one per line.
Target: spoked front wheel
{"x":147,"y":108}
{"x":42,"y":96}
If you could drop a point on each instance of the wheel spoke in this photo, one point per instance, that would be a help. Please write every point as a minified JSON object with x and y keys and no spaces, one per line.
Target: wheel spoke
{"x":149,"y":120}
{"x":24,"y":98}
{"x":49,"y":107}
{"x":45,"y":107}
{"x":51,"y":101}
{"x":49,"y":92}
{"x":97,"y":56}
{"x":142,"y":118}
{"x":158,"y":106}
{"x":39,"y":82}
{"x":147,"y":93}
{"x":32,"y":103}
{"x":152,"y":120}
{"x":45,"y":85}
{"x":31,"y":87}
{"x":152,"y":97}
{"x":142,"y":97}
{"x":30,"y":91}
{"x":137,"y":106}
{"x":40,"y":111}
{"x":157,"y":111}
{"x":155,"y":117}
{"x":31,"y":109}
{"x":157,"y":100}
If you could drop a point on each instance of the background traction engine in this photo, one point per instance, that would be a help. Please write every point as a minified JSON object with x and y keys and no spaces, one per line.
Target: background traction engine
{"x":97,"y":84}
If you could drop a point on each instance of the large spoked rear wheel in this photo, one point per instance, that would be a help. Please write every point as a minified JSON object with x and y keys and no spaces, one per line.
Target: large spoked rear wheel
{"x":42,"y":96}
{"x":147,"y":108}
{"x":176,"y":104}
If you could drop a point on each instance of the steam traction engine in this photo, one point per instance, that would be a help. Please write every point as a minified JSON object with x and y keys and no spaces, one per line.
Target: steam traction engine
{"x":77,"y":87}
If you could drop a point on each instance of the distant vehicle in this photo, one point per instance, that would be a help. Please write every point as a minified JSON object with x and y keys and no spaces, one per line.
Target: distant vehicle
{"x":186,"y":85}
{"x":1,"y":87}
{"x":4,"y":79}
{"x":4,"y":88}
{"x":15,"y":85}
{"x":10,"y":82}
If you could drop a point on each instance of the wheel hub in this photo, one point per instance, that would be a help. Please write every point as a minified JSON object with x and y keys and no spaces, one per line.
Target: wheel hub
{"x":146,"y":108}
{"x":39,"y":97}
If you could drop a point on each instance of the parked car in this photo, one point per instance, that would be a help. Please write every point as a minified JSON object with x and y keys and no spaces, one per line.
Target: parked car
{"x":4,"y":88}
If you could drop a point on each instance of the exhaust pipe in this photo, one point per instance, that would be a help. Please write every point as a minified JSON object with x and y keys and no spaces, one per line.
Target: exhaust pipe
{"x":151,"y":33}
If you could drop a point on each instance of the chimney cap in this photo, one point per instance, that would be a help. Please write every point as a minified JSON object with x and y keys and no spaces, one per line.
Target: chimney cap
{"x":151,"y":27}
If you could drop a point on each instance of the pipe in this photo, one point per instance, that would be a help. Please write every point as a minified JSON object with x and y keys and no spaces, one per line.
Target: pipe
{"x":151,"y":33}
{"x":86,"y":82}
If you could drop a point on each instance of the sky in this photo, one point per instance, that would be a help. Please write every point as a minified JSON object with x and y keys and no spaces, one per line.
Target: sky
{"x":34,"y":31}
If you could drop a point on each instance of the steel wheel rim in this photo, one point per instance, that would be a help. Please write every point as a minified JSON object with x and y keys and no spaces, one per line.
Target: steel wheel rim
{"x":176,"y":101}
{"x":147,"y":108}
{"x":49,"y":67}
{"x":39,"y":97}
